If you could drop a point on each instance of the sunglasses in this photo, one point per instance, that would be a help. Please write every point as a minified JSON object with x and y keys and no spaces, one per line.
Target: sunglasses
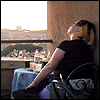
{"x":81,"y":22}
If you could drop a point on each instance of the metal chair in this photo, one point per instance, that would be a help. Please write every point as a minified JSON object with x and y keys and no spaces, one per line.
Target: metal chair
{"x":87,"y":71}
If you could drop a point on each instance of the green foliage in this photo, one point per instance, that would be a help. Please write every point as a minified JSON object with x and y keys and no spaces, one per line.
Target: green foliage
{"x":7,"y":50}
{"x":28,"y":47}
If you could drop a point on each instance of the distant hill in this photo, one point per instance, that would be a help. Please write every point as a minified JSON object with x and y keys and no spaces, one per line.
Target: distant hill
{"x":23,"y":34}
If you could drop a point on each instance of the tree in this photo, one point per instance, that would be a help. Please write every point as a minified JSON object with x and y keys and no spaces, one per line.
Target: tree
{"x":28,"y":47}
{"x":7,"y":50}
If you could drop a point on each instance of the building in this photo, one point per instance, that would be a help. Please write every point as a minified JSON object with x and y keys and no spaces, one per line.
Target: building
{"x":20,"y":34}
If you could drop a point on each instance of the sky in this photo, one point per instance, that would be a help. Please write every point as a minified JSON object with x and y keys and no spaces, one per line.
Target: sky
{"x":30,"y":15}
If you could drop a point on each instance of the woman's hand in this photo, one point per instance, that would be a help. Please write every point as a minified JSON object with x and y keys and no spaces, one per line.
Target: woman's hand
{"x":33,"y":84}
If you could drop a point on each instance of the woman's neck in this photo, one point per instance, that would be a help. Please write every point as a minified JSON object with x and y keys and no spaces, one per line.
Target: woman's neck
{"x":74,"y":37}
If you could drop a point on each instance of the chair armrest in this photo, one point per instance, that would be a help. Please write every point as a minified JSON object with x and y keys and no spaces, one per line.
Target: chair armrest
{"x":64,"y":87}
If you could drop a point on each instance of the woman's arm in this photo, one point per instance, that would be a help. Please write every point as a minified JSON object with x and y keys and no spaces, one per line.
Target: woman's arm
{"x":49,"y":67}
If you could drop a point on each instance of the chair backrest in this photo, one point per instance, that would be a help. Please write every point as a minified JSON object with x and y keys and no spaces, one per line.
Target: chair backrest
{"x":86,"y":70}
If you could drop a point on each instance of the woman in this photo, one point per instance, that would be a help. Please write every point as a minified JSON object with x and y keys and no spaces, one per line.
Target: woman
{"x":68,"y":55}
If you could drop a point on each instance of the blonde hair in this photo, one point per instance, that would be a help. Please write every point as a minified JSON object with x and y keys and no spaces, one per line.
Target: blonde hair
{"x":87,"y":34}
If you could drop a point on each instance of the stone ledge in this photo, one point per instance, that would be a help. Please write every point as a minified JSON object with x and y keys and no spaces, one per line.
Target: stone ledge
{"x":8,"y":64}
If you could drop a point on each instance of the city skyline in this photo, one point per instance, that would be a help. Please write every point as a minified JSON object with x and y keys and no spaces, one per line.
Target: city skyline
{"x":30,"y":15}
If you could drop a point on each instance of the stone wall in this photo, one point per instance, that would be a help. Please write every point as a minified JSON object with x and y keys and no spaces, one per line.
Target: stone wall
{"x":7,"y":72}
{"x":61,"y":14}
{"x":6,"y":78}
{"x":12,"y":64}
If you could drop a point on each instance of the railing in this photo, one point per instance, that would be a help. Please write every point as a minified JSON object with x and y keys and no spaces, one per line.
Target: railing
{"x":26,"y":41}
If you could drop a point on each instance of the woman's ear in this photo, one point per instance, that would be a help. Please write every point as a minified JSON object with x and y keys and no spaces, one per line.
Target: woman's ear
{"x":77,"y":29}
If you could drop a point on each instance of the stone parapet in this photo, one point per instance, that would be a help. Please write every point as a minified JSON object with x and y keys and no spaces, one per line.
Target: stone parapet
{"x":12,"y":64}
